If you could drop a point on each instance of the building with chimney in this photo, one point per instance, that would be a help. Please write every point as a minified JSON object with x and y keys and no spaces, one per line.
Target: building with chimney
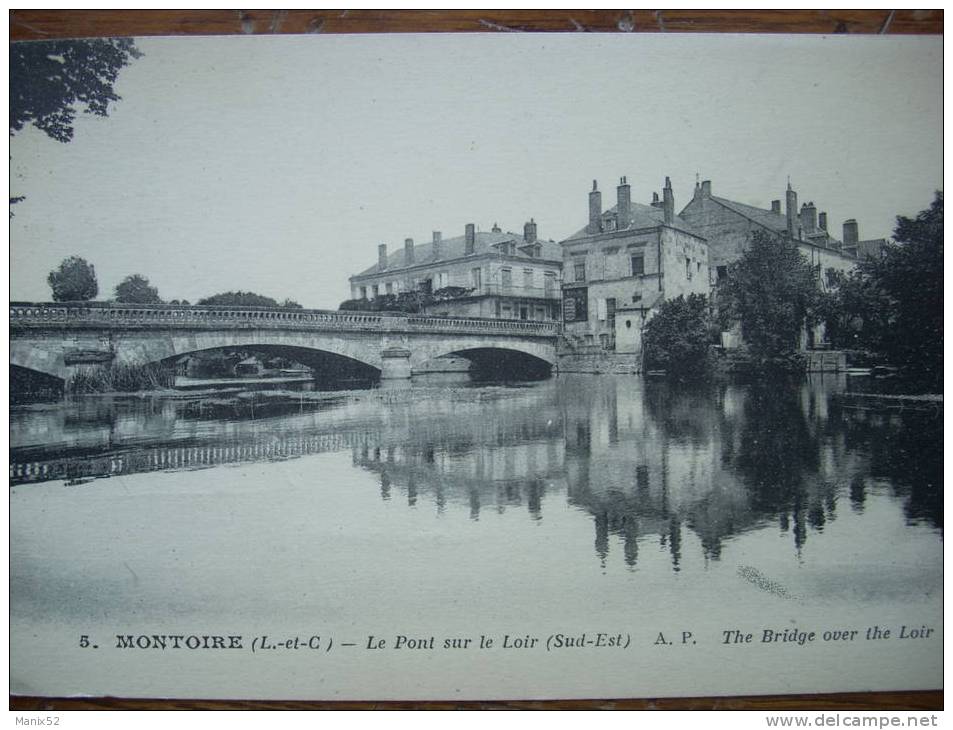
{"x":623,"y":264}
{"x":728,"y":226}
{"x":499,"y":274}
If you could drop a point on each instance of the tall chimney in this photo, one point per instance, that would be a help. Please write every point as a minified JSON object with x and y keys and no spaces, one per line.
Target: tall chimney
{"x":706,"y":188}
{"x":698,"y":189}
{"x":822,"y":221}
{"x":595,"y":209}
{"x":851,"y":234}
{"x":624,"y":207}
{"x":470,"y":239}
{"x":668,"y":202}
{"x":408,"y":251}
{"x":529,"y":231}
{"x":791,"y":211}
{"x":382,"y":256}
{"x":437,"y":238}
{"x":809,"y":217}
{"x":776,"y":207}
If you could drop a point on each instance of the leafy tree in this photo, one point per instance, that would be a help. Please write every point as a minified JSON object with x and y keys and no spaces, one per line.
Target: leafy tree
{"x":677,"y":337}
{"x":135,"y":289}
{"x":73,"y":281}
{"x":773,"y":292}
{"x":892,"y":306}
{"x":49,"y":80}
{"x":247,"y":299}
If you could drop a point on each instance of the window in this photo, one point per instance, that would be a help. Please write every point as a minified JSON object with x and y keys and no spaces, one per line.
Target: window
{"x":363,"y":292}
{"x":688,"y":268}
{"x":537,"y":251}
{"x":549,"y":283}
{"x":722,"y":272}
{"x":610,"y":312}
{"x":389,"y":288}
{"x":637,"y":263}
{"x":528,"y":278}
{"x":506,"y":277}
{"x":506,"y":312}
{"x":476,"y":278}
{"x":443,"y":280}
{"x":375,"y":291}
{"x":579,"y":271}
{"x":524,"y":312}
{"x":831,"y":278}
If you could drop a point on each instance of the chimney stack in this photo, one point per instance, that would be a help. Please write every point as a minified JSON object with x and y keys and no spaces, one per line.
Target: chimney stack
{"x":624,"y":207}
{"x":656,"y":203}
{"x":470,"y":239}
{"x":809,"y":217}
{"x":382,"y":256}
{"x":791,"y":211}
{"x":822,"y":221}
{"x":776,"y":207}
{"x":529,"y":231}
{"x":698,"y":189}
{"x":668,"y":201}
{"x":851,"y":234}
{"x":437,"y":238}
{"x":706,"y":188}
{"x":408,"y":251}
{"x":595,"y":209}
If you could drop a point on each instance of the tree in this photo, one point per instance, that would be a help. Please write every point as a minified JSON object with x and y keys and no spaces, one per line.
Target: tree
{"x":73,"y":281}
{"x":676,"y":339}
{"x":135,"y":289}
{"x":247,"y":299}
{"x":773,"y":292}
{"x":892,"y":306}
{"x":49,"y":80}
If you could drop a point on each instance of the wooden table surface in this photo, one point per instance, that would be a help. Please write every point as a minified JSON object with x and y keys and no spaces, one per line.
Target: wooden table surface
{"x":48,"y":24}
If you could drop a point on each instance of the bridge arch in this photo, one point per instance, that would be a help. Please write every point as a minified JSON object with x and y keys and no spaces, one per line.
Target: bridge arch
{"x":313,"y":349}
{"x":325,"y":363}
{"x":504,"y":359}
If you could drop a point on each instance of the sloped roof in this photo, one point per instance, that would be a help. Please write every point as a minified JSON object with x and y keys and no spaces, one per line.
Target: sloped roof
{"x":454,"y":248}
{"x":767,"y":218}
{"x":640,"y":216}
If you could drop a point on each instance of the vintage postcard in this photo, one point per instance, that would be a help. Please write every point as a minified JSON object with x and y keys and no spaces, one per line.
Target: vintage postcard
{"x":476,"y":366}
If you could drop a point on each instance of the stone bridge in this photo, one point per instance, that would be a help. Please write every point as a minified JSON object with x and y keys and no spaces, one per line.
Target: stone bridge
{"x":55,"y":339}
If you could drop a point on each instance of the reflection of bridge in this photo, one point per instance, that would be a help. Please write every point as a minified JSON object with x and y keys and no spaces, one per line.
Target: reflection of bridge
{"x":159,"y":458}
{"x":54,"y":338}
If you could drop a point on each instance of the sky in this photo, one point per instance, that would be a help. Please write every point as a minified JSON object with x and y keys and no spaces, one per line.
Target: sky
{"x":278,"y":164}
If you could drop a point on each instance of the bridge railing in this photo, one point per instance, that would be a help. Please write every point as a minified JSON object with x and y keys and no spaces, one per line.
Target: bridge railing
{"x":109,"y":314}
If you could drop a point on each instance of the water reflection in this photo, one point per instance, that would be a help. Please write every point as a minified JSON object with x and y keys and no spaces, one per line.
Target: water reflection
{"x":648,"y":462}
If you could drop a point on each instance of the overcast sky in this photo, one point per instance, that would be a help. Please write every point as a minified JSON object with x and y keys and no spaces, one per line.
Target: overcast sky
{"x":277,"y":164}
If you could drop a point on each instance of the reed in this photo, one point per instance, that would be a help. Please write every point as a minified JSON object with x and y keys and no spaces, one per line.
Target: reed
{"x":120,"y":377}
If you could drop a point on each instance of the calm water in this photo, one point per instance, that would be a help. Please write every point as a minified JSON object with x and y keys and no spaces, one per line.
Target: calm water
{"x":528,"y":504}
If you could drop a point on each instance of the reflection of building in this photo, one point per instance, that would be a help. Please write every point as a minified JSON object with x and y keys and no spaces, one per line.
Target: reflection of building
{"x":499,"y":275}
{"x":625,"y":262}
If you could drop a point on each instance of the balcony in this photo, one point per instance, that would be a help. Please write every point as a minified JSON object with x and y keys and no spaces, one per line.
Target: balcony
{"x":523,"y":292}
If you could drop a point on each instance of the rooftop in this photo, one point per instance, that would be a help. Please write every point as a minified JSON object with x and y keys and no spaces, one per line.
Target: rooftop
{"x":454,"y":248}
{"x":640,"y":216}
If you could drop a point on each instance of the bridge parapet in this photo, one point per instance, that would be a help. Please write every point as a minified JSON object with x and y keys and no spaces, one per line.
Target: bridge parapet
{"x":108,"y":315}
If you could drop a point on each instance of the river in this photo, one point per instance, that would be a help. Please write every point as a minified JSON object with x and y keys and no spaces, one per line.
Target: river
{"x":573,"y":502}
